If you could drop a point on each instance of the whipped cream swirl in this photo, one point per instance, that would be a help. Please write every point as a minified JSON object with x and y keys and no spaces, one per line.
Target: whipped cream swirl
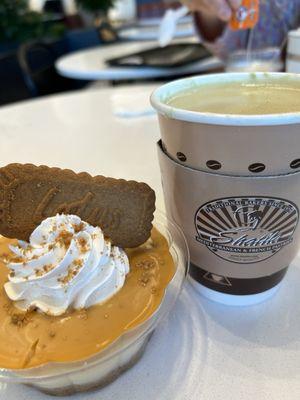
{"x":66,"y":264}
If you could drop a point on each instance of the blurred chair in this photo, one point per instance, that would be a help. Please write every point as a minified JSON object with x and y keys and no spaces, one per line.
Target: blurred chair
{"x":78,"y":39}
{"x":12,"y":84}
{"x":37,"y":62}
{"x":53,"y":6}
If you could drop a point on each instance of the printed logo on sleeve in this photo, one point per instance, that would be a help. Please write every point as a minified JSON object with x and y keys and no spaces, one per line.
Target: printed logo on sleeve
{"x":246,"y":229}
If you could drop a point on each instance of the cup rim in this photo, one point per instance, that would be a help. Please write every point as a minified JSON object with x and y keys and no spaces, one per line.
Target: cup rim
{"x":163,"y":93}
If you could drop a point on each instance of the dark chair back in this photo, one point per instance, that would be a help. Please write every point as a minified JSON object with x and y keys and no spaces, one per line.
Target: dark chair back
{"x":53,"y":6}
{"x":37,"y":61}
{"x":79,"y":39}
{"x":12,"y":86}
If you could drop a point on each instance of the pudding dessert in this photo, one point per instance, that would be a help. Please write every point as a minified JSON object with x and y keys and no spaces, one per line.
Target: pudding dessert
{"x":49,"y":307}
{"x":75,"y":308}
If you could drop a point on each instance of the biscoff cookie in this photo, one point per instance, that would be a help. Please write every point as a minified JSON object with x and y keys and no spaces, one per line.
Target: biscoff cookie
{"x":29,"y":194}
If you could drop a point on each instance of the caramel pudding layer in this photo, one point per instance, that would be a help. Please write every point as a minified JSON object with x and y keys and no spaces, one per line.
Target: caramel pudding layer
{"x":31,"y":339}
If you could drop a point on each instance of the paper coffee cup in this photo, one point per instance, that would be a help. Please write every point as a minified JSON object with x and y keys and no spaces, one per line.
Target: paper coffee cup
{"x":228,"y":144}
{"x":242,"y":232}
{"x":232,"y":183}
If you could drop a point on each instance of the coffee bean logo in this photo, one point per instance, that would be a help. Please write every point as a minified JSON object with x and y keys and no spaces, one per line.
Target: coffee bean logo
{"x":213,"y":164}
{"x":295,"y":164}
{"x":181,"y":156}
{"x":257,"y":167}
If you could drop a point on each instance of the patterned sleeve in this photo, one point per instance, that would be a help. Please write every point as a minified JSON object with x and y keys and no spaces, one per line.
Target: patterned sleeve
{"x":277,"y":17}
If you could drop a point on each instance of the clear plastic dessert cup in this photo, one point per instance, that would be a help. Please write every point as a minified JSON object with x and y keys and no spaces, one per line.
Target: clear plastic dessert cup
{"x":64,"y":378}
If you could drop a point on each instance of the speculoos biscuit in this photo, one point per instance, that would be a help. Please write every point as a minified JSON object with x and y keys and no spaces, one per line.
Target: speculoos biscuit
{"x":29,"y":194}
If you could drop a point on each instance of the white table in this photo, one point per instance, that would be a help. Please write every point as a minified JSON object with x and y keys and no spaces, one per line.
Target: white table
{"x":90,"y":64}
{"x":204,"y":350}
{"x":155,"y":22}
{"x":183,"y":30}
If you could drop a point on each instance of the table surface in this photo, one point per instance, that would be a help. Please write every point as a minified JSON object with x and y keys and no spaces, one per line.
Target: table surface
{"x":203,"y":350}
{"x":157,"y":20}
{"x":90,"y":64}
{"x":183,"y":30}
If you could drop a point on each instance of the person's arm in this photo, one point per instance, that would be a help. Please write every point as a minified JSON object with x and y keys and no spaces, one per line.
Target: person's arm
{"x":209,"y":27}
{"x":212,"y":15}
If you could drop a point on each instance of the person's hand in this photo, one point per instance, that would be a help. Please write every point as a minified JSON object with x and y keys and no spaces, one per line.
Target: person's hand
{"x":221,"y":9}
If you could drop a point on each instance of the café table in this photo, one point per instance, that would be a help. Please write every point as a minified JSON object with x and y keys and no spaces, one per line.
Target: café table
{"x":203,"y":350}
{"x":183,"y":30}
{"x":91,"y":64}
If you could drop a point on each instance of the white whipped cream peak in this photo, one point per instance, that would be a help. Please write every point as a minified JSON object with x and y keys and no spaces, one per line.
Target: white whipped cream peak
{"x":66,"y":264}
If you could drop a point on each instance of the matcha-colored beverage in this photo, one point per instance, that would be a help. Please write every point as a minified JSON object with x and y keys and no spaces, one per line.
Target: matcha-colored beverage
{"x":244,"y":98}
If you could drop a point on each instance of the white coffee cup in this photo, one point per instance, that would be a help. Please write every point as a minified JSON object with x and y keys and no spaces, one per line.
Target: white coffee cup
{"x":241,"y":223}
